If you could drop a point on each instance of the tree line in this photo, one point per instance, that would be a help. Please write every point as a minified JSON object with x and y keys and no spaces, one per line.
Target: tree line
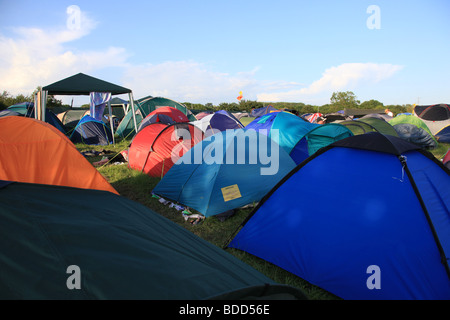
{"x":339,"y":101}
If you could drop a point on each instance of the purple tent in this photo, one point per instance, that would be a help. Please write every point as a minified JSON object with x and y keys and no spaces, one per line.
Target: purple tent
{"x":218,"y":121}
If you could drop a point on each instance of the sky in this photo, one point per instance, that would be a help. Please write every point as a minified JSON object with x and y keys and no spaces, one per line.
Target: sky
{"x":207,"y":51}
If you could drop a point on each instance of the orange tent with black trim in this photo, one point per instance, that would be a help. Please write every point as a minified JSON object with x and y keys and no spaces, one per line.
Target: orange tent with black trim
{"x":33,"y":151}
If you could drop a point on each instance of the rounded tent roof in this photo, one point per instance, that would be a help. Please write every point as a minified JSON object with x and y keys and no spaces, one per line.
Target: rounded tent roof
{"x":436,"y":112}
{"x":225,"y":171}
{"x":284,"y":126}
{"x":443,"y":135}
{"x":124,"y":251}
{"x":165,"y":115}
{"x":299,"y":227}
{"x":218,"y":121}
{"x":156,"y":147}
{"x":370,"y":124}
{"x":33,"y":151}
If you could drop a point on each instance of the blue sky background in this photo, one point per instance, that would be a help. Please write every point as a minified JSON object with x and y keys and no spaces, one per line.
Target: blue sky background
{"x":208,"y":51}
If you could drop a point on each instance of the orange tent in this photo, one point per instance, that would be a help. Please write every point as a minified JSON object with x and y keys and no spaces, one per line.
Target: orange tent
{"x":35,"y":152}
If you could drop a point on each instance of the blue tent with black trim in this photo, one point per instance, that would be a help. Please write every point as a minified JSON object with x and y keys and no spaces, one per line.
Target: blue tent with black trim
{"x":91,"y":131}
{"x":367,"y":217}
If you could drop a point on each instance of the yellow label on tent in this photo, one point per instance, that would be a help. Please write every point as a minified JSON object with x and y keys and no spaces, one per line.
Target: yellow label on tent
{"x":231,"y":192}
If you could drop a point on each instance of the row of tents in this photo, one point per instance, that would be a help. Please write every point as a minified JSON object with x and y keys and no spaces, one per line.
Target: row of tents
{"x":68,"y":234}
{"x":383,"y":210}
{"x":347,"y":198}
{"x":334,"y":203}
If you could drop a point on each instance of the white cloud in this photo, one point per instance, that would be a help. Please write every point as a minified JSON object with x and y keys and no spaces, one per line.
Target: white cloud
{"x":189,"y":81}
{"x":347,"y":76}
{"x":39,"y":57}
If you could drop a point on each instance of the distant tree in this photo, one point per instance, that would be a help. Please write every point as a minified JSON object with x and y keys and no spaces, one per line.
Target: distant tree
{"x":372,"y":104}
{"x":7,"y":100}
{"x":344,"y":100}
{"x":248,"y":105}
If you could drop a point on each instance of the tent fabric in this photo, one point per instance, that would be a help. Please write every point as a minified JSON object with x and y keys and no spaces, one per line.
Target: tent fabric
{"x":380,"y":125}
{"x":27,"y":110}
{"x":285,"y":128}
{"x":421,"y":135}
{"x":166,"y":115}
{"x":395,"y":217}
{"x":91,"y":131}
{"x":443,"y":135}
{"x":225,"y":171}
{"x":262,"y":111}
{"x":35,"y":152}
{"x":122,"y":250}
{"x":436,"y":112}
{"x":416,"y":135}
{"x":319,"y":137}
{"x":98,"y":102}
{"x":411,"y":119}
{"x":158,"y":146}
{"x":144,"y":107}
{"x":70,"y":118}
{"x":219,"y":121}
{"x":6,"y":112}
{"x":82,"y":84}
{"x":369,"y":124}
{"x":446,"y":159}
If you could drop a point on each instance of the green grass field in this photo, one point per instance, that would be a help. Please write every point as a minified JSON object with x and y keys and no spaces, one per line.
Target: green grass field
{"x":137,"y":186}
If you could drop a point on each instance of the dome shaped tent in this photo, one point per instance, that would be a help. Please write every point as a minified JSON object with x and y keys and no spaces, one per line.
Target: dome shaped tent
{"x":436,"y":116}
{"x":124,"y":251}
{"x":218,"y":121}
{"x":143,"y":107}
{"x":443,"y":135}
{"x":395,"y":216}
{"x":158,"y":146}
{"x":414,"y":130}
{"x":33,"y":151}
{"x":232,"y":172}
{"x":166,"y":115}
{"x":91,"y":131}
{"x":26,"y":109}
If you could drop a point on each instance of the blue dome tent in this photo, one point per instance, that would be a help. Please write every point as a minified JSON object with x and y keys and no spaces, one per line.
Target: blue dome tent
{"x":363,"y":203}
{"x":91,"y":131}
{"x":225,"y":171}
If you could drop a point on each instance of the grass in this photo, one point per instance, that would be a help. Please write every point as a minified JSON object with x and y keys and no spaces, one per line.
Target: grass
{"x":137,"y":186}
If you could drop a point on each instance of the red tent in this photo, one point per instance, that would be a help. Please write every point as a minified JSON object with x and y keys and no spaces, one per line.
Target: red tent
{"x":166,"y":115}
{"x":156,"y":147}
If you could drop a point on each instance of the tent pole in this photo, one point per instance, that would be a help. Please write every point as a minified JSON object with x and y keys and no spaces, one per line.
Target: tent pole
{"x":43,"y":105}
{"x":111,"y":120}
{"x":132,"y":110}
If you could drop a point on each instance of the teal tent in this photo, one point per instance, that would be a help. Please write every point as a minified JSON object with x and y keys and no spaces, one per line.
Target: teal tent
{"x":225,"y":171}
{"x":68,"y":243}
{"x":286,"y":126}
{"x":26,"y":109}
{"x":143,"y":107}
{"x":297,"y":137}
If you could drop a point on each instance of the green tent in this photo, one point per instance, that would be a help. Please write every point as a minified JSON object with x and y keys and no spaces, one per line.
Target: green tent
{"x":143,"y":107}
{"x":365,"y":125}
{"x":68,"y":243}
{"x":413,"y":129}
